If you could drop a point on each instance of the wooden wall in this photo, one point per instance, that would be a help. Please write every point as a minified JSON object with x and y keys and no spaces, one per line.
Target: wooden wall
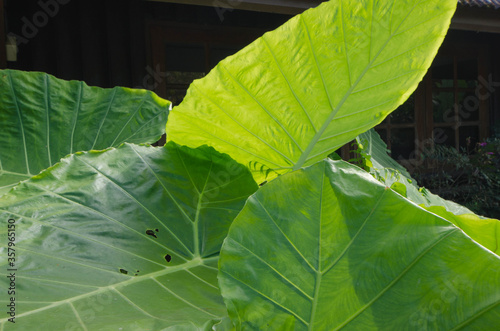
{"x":104,"y":42}
{"x":100,"y":42}
{"x":3,"y":55}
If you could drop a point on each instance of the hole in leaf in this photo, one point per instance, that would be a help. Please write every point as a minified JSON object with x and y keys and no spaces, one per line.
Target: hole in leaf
{"x":151,"y":233}
{"x":157,"y":230}
{"x":168,"y":258}
{"x":123,"y":271}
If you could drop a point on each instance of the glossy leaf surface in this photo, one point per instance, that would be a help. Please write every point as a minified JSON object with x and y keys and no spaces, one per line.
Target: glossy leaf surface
{"x":328,"y":247}
{"x":298,"y":93}
{"x":125,"y":239}
{"x":486,"y":231}
{"x":43,"y":119}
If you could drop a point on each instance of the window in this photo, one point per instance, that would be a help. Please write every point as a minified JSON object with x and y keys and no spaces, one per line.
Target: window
{"x":399,"y":129}
{"x":458,"y":113}
{"x":448,"y":107}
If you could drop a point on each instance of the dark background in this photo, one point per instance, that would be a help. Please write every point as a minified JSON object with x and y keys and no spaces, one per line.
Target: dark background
{"x":105,"y":43}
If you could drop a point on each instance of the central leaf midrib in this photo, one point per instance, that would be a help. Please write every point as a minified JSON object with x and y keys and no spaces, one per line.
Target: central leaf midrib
{"x":319,"y":273}
{"x":303,"y":158}
{"x":168,"y":270}
{"x":196,"y":239}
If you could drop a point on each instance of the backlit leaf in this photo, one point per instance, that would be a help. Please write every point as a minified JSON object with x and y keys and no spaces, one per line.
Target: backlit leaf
{"x":300,"y":92}
{"x":328,"y":248}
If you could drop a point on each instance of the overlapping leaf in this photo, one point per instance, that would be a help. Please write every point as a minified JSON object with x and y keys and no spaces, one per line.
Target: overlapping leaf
{"x":356,"y":61}
{"x":43,"y":119}
{"x":375,"y":150}
{"x":328,"y":248}
{"x":485,"y":231}
{"x":125,"y":239}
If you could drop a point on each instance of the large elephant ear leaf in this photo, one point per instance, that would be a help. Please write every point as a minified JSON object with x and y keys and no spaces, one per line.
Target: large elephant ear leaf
{"x":123,"y":239}
{"x":298,"y":93}
{"x":328,"y":247}
{"x":43,"y":119}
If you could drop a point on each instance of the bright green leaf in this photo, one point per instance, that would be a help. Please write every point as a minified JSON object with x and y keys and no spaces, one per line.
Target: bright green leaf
{"x":124,"y":239}
{"x":486,"y":231}
{"x":295,"y":95}
{"x":43,"y":119}
{"x":328,"y":247}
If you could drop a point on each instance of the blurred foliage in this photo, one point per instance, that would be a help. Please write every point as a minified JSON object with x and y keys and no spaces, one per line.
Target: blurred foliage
{"x":470,"y":176}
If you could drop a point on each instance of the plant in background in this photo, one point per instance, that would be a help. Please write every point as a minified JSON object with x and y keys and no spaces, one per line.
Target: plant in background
{"x":470,"y":176}
{"x":135,"y":237}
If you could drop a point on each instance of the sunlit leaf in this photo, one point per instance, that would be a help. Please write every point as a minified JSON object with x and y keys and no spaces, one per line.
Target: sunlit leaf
{"x":329,"y":247}
{"x":485,"y":231}
{"x":300,"y":92}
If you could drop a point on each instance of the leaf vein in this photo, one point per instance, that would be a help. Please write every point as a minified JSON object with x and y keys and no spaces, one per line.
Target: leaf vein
{"x":130,"y":119}
{"x":268,"y":298}
{"x":305,"y":156}
{"x":356,"y":235}
{"x":200,"y":128}
{"x":289,"y":84}
{"x":262,"y":106}
{"x":79,"y":235}
{"x":18,"y":108}
{"x":105,"y":116}
{"x":133,"y":304}
{"x":184,"y":300}
{"x":129,"y":195}
{"x":285,"y":236}
{"x":79,"y":319}
{"x":273,"y":269}
{"x":75,"y":122}
{"x":100,"y":213}
{"x":241,"y":124}
{"x":395,"y":280}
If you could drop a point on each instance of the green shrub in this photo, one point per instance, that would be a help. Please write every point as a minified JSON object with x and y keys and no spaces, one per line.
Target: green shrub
{"x":470,"y":177}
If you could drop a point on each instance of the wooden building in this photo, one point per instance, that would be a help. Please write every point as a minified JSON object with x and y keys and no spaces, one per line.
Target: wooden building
{"x":163,"y":45}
